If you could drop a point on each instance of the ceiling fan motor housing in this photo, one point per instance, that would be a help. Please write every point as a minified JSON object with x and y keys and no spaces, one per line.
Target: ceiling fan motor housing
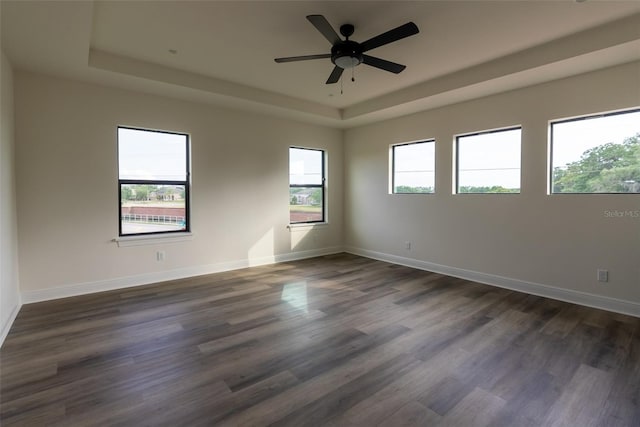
{"x":346,"y":54}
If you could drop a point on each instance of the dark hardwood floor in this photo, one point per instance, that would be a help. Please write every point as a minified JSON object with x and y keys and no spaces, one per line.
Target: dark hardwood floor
{"x":332,"y":341}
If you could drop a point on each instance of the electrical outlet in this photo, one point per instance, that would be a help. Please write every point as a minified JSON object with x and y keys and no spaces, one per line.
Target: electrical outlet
{"x":160,"y":255}
{"x":407,"y":245}
{"x":603,"y":275}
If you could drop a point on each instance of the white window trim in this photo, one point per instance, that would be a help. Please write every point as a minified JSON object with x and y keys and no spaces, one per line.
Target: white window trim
{"x":305,"y":225}
{"x":152,"y":239}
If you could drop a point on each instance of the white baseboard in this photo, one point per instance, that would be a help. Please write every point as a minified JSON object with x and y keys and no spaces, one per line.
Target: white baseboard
{"x":182,"y":273}
{"x":7,"y":326}
{"x":576,"y":297}
{"x":567,"y":295}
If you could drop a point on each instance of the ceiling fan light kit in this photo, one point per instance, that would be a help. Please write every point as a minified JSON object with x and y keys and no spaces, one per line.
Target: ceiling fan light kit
{"x":347,"y":53}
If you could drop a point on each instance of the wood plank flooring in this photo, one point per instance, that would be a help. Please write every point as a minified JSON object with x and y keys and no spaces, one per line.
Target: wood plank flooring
{"x":331,"y":341}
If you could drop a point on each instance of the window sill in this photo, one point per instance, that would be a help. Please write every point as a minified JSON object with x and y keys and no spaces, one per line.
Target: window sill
{"x":306,"y":226}
{"x":152,"y":239}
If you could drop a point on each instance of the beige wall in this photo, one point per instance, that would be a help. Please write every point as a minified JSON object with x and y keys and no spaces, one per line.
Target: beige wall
{"x":9,"y":294}
{"x":67,"y":193}
{"x":557,"y":241}
{"x":67,"y":185}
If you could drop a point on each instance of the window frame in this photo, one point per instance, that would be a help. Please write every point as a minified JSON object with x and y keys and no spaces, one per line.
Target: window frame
{"x":484,"y":132}
{"x":393,"y":164}
{"x":186,"y":183}
{"x":322,"y":185}
{"x":578,"y":119}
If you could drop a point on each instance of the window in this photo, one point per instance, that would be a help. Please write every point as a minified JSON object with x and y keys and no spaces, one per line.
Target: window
{"x":596,"y":154}
{"x":489,"y":162}
{"x":306,"y":185}
{"x":153,"y":181}
{"x":413,"y":167}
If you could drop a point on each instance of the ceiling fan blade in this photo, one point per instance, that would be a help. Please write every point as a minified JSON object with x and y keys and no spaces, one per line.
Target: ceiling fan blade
{"x":303,"y":58}
{"x":383,"y":64}
{"x":335,"y":75}
{"x":322,"y":25}
{"x":390,"y":36}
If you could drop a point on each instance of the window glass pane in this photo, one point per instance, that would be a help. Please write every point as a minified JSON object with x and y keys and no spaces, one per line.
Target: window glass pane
{"x":149,"y":208}
{"x":305,"y":204}
{"x":305,"y":166}
{"x":413,"y":167}
{"x":147,"y":161}
{"x":489,"y":162}
{"x":148,"y":155}
{"x":597,"y":154}
{"x":306,"y":185}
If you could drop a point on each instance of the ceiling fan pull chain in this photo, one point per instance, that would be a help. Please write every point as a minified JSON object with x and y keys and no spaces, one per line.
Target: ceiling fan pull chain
{"x":341,"y":85}
{"x":353,"y":73}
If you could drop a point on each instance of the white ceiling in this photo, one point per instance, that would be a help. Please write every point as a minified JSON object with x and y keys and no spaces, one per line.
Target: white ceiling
{"x":225,"y":49}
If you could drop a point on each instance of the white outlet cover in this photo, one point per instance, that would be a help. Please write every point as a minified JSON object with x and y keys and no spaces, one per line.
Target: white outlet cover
{"x":603,"y":275}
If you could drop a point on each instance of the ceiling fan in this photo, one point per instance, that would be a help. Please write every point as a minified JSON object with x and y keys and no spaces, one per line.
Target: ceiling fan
{"x":348,"y":54}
